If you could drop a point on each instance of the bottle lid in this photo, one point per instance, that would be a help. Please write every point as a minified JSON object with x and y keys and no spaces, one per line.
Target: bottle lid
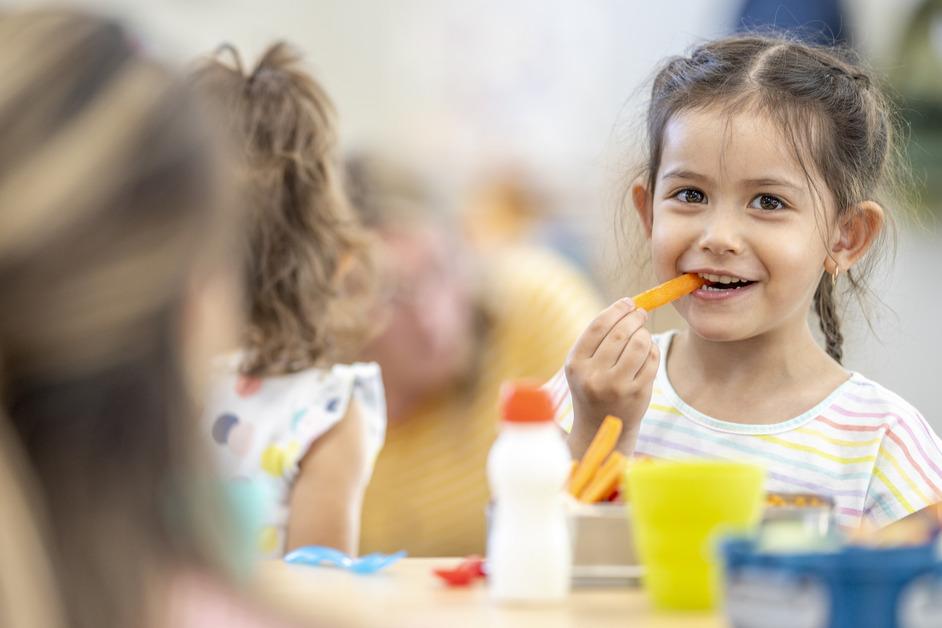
{"x":525,"y":402}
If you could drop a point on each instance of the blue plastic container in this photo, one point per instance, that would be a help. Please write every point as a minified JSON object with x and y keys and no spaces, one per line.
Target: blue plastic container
{"x":851,"y":588}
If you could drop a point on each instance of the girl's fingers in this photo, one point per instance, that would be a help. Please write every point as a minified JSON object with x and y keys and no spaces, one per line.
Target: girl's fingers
{"x":648,"y":370}
{"x":590,"y":340}
{"x":637,"y":354}
{"x":621,"y":334}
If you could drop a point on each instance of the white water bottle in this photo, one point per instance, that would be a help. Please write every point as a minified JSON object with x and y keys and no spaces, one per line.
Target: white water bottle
{"x":529,"y":553}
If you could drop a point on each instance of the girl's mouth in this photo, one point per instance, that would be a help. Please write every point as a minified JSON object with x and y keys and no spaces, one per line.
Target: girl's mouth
{"x":722,"y":286}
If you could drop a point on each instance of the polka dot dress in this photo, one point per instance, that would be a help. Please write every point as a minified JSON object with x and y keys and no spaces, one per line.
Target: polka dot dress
{"x":260,"y":429}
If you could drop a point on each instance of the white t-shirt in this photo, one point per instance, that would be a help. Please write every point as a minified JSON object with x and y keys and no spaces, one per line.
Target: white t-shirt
{"x":261,"y":428}
{"x":863,"y":445}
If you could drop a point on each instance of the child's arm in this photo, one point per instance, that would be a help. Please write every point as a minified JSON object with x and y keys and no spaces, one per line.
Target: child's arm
{"x":327,"y":496}
{"x":611,"y":371}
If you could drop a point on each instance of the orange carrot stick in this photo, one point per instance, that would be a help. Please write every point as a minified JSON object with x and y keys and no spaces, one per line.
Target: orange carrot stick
{"x":602,"y":444}
{"x":668,"y":291}
{"x":606,"y":480}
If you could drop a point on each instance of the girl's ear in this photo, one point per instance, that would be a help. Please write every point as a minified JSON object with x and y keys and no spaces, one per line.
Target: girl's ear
{"x":641,"y":198}
{"x":856,"y":232}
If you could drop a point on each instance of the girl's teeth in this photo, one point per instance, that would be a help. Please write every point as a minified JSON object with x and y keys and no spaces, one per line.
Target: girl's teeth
{"x":725,"y":279}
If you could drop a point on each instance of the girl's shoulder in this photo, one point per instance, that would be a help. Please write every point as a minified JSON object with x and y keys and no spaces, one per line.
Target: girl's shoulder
{"x":326,"y":390}
{"x":858,"y":401}
{"x":867,"y":401}
{"x":907,"y":475}
{"x":338,"y":380}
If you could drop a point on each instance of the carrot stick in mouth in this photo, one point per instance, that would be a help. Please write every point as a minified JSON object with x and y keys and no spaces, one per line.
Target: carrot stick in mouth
{"x":668,"y":291}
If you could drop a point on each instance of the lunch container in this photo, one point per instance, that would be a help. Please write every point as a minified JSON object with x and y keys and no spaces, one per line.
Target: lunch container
{"x":603,"y":551}
{"x":851,"y":587}
{"x":602,"y":548}
{"x":813,"y":513}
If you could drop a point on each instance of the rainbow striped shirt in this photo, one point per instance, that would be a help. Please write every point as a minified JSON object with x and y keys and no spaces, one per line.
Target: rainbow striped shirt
{"x":863,"y":445}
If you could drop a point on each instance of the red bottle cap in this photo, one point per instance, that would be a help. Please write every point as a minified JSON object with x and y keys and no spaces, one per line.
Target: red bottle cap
{"x":524,"y":402}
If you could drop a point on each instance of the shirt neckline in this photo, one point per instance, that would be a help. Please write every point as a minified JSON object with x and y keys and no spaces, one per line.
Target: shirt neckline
{"x":667,"y":390}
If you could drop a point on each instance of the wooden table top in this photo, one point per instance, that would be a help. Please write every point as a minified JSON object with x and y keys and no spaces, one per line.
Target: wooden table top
{"x":409,"y":595}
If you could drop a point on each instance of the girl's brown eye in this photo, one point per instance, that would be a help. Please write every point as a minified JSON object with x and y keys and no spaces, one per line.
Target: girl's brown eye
{"x":690,"y":195}
{"x":767,"y":202}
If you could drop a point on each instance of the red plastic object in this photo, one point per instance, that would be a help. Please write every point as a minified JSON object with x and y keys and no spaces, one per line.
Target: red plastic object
{"x":464,"y":574}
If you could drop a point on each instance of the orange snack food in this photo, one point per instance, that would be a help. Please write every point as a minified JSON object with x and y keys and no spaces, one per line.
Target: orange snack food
{"x":606,"y":480}
{"x":572,"y":470}
{"x":668,"y":291}
{"x":917,"y":528}
{"x":796,"y":500}
{"x":601,"y":446}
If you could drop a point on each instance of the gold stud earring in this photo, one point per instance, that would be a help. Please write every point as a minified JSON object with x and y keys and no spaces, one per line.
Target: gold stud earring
{"x":834,"y":275}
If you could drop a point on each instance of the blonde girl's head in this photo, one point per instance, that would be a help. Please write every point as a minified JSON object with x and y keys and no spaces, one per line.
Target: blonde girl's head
{"x":110,"y":194}
{"x":28,"y":594}
{"x":308,"y":277}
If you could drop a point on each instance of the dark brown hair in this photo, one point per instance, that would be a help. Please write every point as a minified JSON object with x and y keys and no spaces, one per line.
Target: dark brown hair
{"x":828,"y":106}
{"x":110,"y":193}
{"x":308,"y":278}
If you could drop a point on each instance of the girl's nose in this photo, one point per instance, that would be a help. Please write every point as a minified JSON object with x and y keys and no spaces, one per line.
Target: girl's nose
{"x":721,"y":232}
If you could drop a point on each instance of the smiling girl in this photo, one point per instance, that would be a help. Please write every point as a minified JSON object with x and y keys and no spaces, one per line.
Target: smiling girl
{"x":765,"y":164}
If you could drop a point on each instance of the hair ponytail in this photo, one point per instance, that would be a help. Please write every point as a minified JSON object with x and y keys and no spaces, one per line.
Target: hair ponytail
{"x":309,"y":276}
{"x":828,"y":318}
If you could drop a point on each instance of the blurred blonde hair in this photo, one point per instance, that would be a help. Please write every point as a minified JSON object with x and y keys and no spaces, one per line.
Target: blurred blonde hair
{"x":309,"y":275}
{"x":110,"y":188}
{"x":28,"y":597}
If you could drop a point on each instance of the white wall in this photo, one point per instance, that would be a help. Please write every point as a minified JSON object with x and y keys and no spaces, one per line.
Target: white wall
{"x":903,"y":350}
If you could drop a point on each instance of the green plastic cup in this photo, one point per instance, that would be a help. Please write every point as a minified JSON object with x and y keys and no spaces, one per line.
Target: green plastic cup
{"x":678,"y":508}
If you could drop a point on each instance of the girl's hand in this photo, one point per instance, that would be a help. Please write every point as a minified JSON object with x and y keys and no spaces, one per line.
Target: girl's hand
{"x":611,"y":370}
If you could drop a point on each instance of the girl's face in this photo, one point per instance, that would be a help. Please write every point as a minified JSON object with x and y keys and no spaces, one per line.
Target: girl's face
{"x":731,"y":204}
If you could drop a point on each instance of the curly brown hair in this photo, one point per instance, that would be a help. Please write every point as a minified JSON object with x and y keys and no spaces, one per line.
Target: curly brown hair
{"x":308,"y":275}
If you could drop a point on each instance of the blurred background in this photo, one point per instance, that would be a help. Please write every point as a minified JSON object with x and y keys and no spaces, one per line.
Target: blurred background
{"x":521,"y":117}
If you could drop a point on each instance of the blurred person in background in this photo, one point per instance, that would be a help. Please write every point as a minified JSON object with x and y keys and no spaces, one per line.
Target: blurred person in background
{"x":28,"y":597}
{"x":453,"y":328}
{"x":288,"y":410}
{"x":502,"y":211}
{"x":114,"y":291}
{"x":510,"y":207}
